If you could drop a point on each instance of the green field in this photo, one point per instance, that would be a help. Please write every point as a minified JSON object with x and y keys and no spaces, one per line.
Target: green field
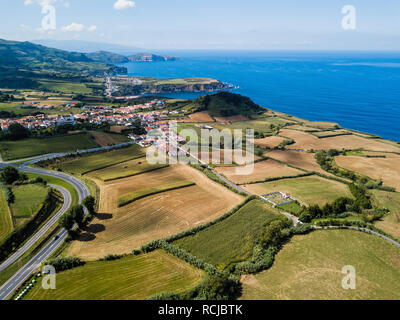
{"x":91,"y":162}
{"x":59,"y":182}
{"x":233,"y":239}
{"x":66,"y":87}
{"x":28,"y":200}
{"x":6,"y":224}
{"x":140,"y":194}
{"x":13,"y":150}
{"x":293,"y":208}
{"x":126,"y":169}
{"x":390,"y":200}
{"x":309,"y":267}
{"x":308,"y":190}
{"x":130,"y":278}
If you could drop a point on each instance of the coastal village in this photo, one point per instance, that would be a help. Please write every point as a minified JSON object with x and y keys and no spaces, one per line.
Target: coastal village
{"x":119,"y":118}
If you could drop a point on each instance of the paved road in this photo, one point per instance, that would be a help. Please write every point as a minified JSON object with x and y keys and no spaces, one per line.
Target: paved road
{"x":15,"y":281}
{"x":43,"y":230}
{"x":22,"y":274}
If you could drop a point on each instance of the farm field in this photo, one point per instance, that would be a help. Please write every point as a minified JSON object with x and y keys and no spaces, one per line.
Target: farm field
{"x":231,"y":240}
{"x":387,"y":169}
{"x":130,"y":278}
{"x":6,"y":224}
{"x":91,"y":162}
{"x":390,"y":200}
{"x":13,"y":150}
{"x":309,"y":267}
{"x":227,"y":159}
{"x":125,"y":169}
{"x":262,"y":170}
{"x":203,"y":116}
{"x":28,"y":200}
{"x":66,"y":87}
{"x":269,"y":142}
{"x":137,"y":195}
{"x":307,"y":141}
{"x":302,"y":160}
{"x":104,"y":139}
{"x":120,"y":230}
{"x":308,"y":190}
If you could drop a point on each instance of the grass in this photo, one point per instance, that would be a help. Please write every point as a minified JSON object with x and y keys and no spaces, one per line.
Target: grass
{"x":309,"y":267}
{"x":28,"y":201}
{"x":390,"y":200}
{"x":66,"y":87}
{"x":294,"y":208}
{"x":13,"y":150}
{"x":233,"y":239}
{"x":59,"y":182}
{"x":91,"y":162}
{"x":309,"y":190}
{"x":130,"y":278}
{"x":6,"y":224}
{"x":126,"y":169}
{"x":140,"y":194}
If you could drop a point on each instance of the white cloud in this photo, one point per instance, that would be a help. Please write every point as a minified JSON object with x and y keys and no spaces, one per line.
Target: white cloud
{"x":74,"y":27}
{"x":92,"y":28}
{"x":123,"y":4}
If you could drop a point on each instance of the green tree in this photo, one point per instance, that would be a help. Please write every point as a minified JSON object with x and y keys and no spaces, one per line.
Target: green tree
{"x":66,"y":221}
{"x":89,"y":202}
{"x":78,"y":214}
{"x":9,"y":175}
{"x":17,"y":132}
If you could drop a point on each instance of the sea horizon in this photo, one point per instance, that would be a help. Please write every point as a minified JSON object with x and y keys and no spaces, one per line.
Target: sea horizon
{"x":358,"y":90}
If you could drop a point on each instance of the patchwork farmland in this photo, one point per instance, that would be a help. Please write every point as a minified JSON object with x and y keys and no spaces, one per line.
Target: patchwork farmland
{"x":233,"y":239}
{"x":120,"y":230}
{"x":303,"y":269}
{"x":387,"y":169}
{"x":262,"y":170}
{"x":308,"y":190}
{"x":130,"y":278}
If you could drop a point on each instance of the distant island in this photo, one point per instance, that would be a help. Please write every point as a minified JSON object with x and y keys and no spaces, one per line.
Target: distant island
{"x":25,"y":65}
{"x":109,"y":57}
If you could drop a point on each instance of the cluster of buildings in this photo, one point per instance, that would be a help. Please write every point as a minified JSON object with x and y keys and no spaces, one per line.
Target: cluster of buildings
{"x":122,"y":116}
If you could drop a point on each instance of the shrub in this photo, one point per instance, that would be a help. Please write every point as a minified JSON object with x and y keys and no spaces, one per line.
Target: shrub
{"x":62,"y":264}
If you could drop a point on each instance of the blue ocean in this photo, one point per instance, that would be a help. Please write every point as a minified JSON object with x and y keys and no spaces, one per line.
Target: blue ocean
{"x":360,"y":91}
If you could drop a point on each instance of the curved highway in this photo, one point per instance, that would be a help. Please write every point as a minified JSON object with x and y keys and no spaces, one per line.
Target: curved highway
{"x":22,"y":274}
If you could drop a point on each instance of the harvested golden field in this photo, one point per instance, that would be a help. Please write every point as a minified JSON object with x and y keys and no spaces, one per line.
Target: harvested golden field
{"x":390,"y":223}
{"x":302,"y":128}
{"x":307,"y":141}
{"x":269,"y":142}
{"x":203,"y":116}
{"x":299,"y":159}
{"x":387,"y":169}
{"x":103,"y":139}
{"x":308,"y":190}
{"x":226,"y":156}
{"x":310,"y":267}
{"x":231,"y":119}
{"x":262,"y":170}
{"x":120,"y":230}
{"x":126,"y":169}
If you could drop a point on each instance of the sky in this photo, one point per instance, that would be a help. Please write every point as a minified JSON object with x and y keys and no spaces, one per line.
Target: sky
{"x":209,"y":24}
